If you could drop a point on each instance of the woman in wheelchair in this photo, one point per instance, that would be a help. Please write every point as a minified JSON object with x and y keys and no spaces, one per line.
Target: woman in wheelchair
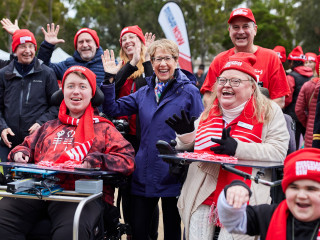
{"x":78,"y":136}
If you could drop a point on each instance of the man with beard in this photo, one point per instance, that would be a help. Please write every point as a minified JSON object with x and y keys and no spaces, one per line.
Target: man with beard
{"x":87,"y":51}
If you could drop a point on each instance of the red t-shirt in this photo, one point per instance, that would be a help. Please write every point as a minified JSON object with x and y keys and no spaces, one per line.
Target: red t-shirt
{"x":268,"y":68}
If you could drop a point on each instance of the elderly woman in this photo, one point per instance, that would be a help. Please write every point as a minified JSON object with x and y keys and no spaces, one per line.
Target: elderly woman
{"x":245,"y":124}
{"x":168,"y":90}
{"x":80,"y":136}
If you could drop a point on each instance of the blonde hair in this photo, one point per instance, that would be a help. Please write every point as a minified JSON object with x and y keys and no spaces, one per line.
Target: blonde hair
{"x":262,"y":105}
{"x":164,"y":44}
{"x":140,"y":67}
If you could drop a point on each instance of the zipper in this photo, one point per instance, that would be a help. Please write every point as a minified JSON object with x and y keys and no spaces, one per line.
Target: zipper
{"x":21,"y":97}
{"x":28,"y":93}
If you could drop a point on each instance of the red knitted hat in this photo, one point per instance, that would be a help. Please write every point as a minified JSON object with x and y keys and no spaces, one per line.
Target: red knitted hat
{"x":242,"y":62}
{"x":242,"y":12}
{"x":281,"y":51}
{"x":297,"y":54}
{"x":310,"y":56}
{"x":133,"y":29}
{"x":22,"y":36}
{"x":85,"y":71}
{"x":302,"y":164}
{"x":93,"y":33}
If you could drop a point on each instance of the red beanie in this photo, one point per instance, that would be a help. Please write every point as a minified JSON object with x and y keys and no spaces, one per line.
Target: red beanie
{"x":242,"y":12}
{"x":22,"y":36}
{"x":310,"y":56}
{"x":133,"y":29}
{"x":93,"y":33}
{"x":302,"y":164}
{"x":281,"y":51}
{"x":297,"y":54}
{"x":91,"y":77}
{"x":242,"y":62}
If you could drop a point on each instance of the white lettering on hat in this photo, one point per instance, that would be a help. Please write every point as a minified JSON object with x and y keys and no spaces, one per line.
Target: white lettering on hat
{"x":311,"y":58}
{"x":259,"y":71}
{"x":82,"y":30}
{"x":279,"y":54}
{"x":124,"y":30}
{"x":77,"y":68}
{"x":302,"y":167}
{"x":303,"y":57}
{"x":237,"y":63}
{"x":25,"y":39}
{"x":240,"y":12}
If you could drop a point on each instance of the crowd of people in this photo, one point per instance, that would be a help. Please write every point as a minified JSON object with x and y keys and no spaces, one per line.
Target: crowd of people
{"x":246,"y":106}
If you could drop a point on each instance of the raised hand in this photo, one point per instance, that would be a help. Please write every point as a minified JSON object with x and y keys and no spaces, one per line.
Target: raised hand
{"x":51,"y":35}
{"x":181,"y":125}
{"x":137,"y":51}
{"x":149,"y":39}
{"x":109,"y":62}
{"x":228,"y":145}
{"x":237,"y":195}
{"x":9,"y":26}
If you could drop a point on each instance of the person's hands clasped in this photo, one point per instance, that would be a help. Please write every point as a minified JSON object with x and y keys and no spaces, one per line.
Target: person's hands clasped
{"x":236,"y":196}
{"x":228,"y":145}
{"x":149,"y":39}
{"x":181,"y":125}
{"x":4,"y":136}
{"x":20,"y":157}
{"x":9,"y":26}
{"x":34,"y":128}
{"x":51,"y":35}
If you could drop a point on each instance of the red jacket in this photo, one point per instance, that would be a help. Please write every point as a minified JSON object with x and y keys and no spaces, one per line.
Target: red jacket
{"x":109,"y":151}
{"x":306,"y":107}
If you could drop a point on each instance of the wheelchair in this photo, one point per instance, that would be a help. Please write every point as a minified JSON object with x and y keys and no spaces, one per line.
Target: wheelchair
{"x":107,"y":228}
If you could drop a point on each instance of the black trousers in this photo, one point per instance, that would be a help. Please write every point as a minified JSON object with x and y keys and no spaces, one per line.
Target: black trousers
{"x":142,"y":213}
{"x":18,"y":217}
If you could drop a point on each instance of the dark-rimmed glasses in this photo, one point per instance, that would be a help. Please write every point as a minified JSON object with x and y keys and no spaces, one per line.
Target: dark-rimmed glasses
{"x":159,"y":59}
{"x":234,"y":82}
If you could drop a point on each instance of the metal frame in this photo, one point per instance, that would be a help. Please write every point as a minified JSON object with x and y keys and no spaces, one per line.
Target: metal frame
{"x":64,"y":196}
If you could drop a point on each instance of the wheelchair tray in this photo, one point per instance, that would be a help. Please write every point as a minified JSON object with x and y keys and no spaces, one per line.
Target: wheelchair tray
{"x":239,"y":162}
{"x":77,"y":171}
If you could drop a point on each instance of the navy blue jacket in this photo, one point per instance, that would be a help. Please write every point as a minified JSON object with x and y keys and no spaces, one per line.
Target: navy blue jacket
{"x":95,"y":64}
{"x":26,"y":100}
{"x":151,"y":177}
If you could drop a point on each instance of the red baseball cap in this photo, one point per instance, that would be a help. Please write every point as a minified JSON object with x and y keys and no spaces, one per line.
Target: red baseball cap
{"x":242,"y":12}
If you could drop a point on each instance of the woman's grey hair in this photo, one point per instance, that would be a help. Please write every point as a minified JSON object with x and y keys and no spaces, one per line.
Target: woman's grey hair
{"x":164,"y":44}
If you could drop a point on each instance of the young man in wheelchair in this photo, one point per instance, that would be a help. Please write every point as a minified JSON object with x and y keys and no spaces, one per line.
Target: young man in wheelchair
{"x":78,"y":136}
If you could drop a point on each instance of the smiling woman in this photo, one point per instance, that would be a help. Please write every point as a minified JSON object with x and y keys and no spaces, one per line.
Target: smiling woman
{"x":168,"y":90}
{"x":239,"y":121}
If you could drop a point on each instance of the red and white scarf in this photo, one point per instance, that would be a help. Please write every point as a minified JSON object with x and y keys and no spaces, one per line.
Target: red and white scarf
{"x":84,"y":133}
{"x":245,"y":128}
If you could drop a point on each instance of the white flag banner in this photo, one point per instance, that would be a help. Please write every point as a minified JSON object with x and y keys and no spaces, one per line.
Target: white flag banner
{"x":173,"y":25}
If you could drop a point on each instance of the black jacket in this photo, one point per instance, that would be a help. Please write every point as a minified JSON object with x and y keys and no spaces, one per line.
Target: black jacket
{"x":25,"y":101}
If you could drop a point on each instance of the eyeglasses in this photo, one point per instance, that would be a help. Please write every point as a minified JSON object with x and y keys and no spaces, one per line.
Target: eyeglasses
{"x":234,"y":82}
{"x":159,"y":59}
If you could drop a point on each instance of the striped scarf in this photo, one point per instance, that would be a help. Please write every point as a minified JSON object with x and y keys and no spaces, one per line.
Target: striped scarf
{"x":84,"y":134}
{"x":245,"y":128}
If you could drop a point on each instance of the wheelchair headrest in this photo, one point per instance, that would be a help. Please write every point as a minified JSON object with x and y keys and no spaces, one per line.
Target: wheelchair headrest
{"x":96,"y":101}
